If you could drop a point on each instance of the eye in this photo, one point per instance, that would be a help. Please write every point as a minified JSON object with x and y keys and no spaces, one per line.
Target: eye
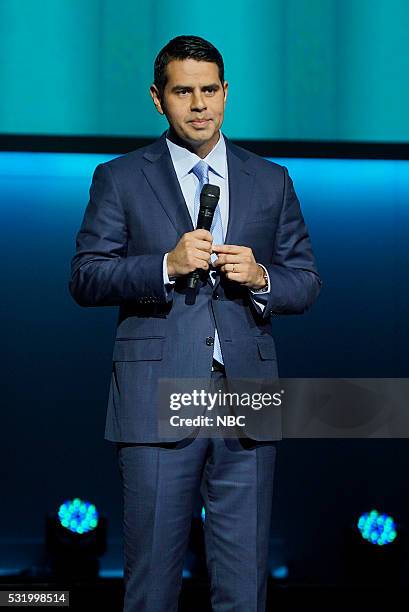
{"x":182,"y":92}
{"x":210,"y":90}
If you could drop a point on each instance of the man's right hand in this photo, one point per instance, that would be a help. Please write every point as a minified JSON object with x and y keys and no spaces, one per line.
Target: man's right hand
{"x":191,"y":253}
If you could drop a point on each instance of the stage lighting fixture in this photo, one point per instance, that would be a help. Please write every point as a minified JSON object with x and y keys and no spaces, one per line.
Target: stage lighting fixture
{"x":78,"y":516}
{"x":203,"y":514}
{"x":374,"y":550}
{"x":377,"y":528}
{"x":75,"y":538}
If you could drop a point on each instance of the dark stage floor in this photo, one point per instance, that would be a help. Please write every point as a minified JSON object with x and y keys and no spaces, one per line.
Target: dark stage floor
{"x":107,"y":593}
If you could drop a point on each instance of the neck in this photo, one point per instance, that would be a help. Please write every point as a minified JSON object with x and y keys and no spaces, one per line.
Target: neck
{"x":200,"y":149}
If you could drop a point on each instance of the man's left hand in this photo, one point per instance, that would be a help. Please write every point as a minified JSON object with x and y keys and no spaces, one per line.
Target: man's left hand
{"x":239,"y":265}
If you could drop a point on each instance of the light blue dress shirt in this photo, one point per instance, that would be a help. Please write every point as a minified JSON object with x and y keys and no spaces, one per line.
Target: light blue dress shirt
{"x":183,"y":161}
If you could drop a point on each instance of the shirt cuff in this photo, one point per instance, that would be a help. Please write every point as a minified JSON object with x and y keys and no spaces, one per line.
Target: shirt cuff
{"x":166,"y":280}
{"x":263,"y":291}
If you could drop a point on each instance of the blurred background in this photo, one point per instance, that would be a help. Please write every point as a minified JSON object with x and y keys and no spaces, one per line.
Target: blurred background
{"x":300,"y":69}
{"x":320,"y":86}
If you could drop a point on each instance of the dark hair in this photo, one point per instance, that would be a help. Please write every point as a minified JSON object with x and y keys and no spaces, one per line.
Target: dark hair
{"x":185,"y":47}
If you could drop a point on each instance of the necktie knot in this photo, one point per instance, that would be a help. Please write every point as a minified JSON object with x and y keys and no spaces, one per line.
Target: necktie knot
{"x":201,"y":170}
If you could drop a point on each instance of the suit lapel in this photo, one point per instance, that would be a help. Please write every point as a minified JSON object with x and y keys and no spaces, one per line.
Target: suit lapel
{"x":162,"y":178}
{"x":241,"y":182}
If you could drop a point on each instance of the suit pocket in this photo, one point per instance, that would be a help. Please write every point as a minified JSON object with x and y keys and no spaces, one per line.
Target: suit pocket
{"x":266,"y":348}
{"x":139,"y":349}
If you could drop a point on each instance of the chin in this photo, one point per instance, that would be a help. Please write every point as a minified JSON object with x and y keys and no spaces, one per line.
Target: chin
{"x":199,"y":137}
{"x":203,"y":134}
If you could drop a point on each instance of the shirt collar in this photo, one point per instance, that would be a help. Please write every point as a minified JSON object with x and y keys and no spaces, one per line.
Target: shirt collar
{"x":184,"y":160}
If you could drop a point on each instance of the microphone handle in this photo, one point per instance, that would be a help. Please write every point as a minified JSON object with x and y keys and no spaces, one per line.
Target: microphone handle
{"x":193,"y":279}
{"x":204,"y":221}
{"x":209,"y":198}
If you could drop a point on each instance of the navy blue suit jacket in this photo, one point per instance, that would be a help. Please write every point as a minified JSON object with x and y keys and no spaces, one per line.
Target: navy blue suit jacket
{"x":136,"y":213}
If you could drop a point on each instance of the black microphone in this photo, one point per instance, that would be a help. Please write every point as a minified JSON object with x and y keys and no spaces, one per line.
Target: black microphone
{"x":209,"y":198}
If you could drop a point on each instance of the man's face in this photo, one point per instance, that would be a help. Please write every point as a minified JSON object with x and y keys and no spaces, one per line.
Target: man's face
{"x":193,"y":102}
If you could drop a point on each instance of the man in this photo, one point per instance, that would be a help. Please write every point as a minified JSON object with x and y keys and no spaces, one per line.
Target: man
{"x":135,"y":249}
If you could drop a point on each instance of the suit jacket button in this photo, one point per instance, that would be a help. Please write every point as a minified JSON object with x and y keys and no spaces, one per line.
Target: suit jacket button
{"x":216,"y":296}
{"x":209,"y":341}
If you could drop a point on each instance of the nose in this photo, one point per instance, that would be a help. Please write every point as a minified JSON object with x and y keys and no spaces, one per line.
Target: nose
{"x":198,"y":102}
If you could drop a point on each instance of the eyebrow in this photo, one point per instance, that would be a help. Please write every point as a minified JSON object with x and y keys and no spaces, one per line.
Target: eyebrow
{"x":211,"y":85}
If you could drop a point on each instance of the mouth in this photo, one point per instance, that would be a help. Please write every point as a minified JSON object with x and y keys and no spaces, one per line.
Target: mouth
{"x":199,"y":122}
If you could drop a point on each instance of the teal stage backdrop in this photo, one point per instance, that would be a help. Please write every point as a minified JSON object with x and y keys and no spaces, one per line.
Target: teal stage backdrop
{"x":298,"y":69}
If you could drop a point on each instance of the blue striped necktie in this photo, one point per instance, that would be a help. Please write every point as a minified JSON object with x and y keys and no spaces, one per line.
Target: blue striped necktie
{"x":201,"y":170}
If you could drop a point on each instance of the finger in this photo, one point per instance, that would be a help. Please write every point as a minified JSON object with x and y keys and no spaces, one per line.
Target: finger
{"x":234,"y":276}
{"x":234,"y":268}
{"x":201,"y":263}
{"x":228,"y":248}
{"x":202,"y":255}
{"x":227,"y":259}
{"x":202,"y":234}
{"x":202,"y":245}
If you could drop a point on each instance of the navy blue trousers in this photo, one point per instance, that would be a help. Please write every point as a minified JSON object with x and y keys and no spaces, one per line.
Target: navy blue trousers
{"x":161,"y":484}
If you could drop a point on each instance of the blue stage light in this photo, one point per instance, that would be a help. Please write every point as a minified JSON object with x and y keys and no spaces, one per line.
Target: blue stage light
{"x":377,"y":528}
{"x":280,"y":572}
{"x":203,"y":514}
{"x":78,"y":516}
{"x":75,"y":538}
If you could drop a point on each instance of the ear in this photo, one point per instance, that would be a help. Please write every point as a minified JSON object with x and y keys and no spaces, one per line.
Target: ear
{"x":153,"y":90}
{"x":225,"y":89}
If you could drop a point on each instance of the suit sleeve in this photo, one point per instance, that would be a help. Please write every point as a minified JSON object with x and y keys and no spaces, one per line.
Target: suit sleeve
{"x":101,"y":272}
{"x":294,"y":279}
